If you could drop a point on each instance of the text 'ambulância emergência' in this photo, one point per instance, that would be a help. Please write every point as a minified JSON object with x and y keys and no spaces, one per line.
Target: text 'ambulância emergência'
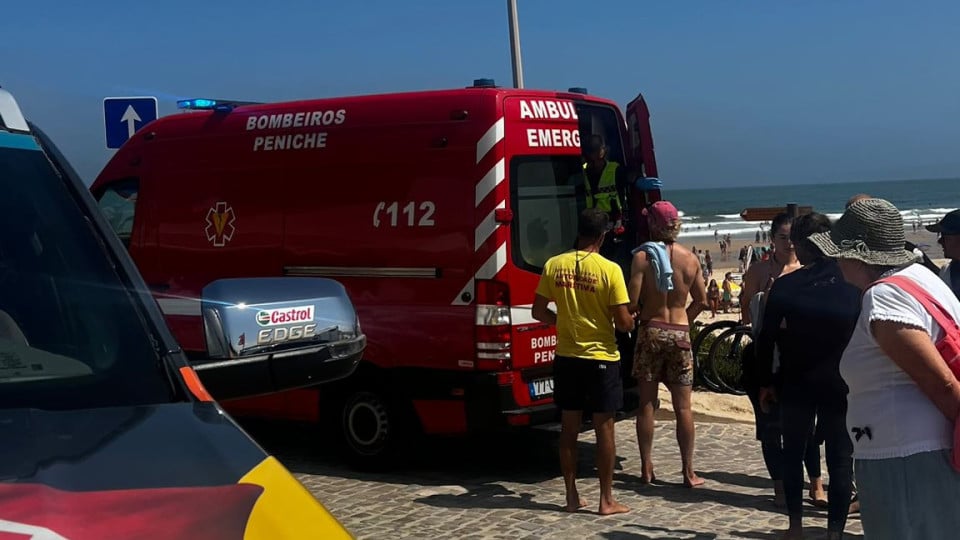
{"x":546,"y":109}
{"x":293,"y":141}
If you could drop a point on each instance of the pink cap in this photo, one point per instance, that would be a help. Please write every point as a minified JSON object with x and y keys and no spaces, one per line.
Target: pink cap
{"x":661,"y":214}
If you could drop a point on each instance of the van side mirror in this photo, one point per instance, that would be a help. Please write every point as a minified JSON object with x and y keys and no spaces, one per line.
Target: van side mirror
{"x":266,"y":335}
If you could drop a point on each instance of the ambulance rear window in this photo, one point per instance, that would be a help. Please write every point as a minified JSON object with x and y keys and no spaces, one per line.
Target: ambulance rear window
{"x":71,"y":335}
{"x":118,"y":205}
{"x":545,"y":206}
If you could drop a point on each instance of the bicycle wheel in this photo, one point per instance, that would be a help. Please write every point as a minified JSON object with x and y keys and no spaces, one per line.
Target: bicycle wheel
{"x":701,"y":349}
{"x":726,"y":358}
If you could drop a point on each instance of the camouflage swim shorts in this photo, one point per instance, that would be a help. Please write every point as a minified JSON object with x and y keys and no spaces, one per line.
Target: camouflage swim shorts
{"x":663,"y":354}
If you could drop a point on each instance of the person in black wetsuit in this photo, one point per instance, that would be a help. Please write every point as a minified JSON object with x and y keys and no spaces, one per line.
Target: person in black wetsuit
{"x":756,"y":284}
{"x":810,"y":315}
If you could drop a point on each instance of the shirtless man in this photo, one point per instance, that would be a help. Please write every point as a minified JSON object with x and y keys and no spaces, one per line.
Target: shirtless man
{"x":663,"y":340}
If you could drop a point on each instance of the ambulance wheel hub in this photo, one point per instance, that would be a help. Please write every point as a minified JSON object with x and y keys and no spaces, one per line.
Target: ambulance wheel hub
{"x":367,"y":422}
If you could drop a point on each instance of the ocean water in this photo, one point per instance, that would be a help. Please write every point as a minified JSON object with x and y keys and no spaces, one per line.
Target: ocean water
{"x":718,"y":209}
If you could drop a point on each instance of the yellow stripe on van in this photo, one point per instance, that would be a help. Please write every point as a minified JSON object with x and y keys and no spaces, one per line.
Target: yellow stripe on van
{"x":286,"y":509}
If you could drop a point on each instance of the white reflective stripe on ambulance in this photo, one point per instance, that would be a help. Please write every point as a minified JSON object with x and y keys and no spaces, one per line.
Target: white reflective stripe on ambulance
{"x":494,"y":264}
{"x":491,"y":180}
{"x":522,"y":314}
{"x":490,"y":139}
{"x":487,"y":225}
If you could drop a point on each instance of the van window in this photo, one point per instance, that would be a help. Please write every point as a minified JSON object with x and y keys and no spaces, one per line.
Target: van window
{"x":119,"y":205}
{"x":71,"y":334}
{"x":545,"y":208}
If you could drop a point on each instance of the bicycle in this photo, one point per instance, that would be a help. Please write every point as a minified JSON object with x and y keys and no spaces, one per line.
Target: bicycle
{"x":701,"y":362}
{"x":725,"y":358}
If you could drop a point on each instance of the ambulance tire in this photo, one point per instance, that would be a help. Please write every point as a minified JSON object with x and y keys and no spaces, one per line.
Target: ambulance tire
{"x":375,"y":427}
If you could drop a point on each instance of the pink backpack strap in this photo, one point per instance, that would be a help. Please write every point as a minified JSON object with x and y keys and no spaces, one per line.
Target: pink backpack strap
{"x":936,"y":310}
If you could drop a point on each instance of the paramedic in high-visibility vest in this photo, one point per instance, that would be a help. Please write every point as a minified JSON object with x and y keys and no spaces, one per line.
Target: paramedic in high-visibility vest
{"x":605,"y":186}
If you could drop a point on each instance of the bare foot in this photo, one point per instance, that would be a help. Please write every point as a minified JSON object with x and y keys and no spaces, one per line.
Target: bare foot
{"x":575,"y":503}
{"x":611,"y":508}
{"x":692,"y":480}
{"x":646,"y":474}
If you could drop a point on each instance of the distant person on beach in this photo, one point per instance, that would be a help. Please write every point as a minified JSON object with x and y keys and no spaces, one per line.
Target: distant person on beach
{"x":726,"y":301}
{"x":713,"y":297}
{"x":809,"y":316}
{"x":663,"y":352}
{"x":757,"y":281}
{"x":591,"y":297}
{"x":948,"y":236}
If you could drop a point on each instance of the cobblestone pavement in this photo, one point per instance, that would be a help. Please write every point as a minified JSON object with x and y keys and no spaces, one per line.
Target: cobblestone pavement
{"x":510,"y":487}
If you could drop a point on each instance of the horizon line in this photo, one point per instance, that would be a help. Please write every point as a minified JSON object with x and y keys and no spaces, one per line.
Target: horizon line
{"x":880,"y":181}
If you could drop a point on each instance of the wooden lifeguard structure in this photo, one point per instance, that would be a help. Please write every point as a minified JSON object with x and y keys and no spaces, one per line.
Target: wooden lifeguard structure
{"x":770,"y":212}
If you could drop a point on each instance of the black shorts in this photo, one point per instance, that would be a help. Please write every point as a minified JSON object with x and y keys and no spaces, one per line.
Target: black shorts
{"x":587,"y":385}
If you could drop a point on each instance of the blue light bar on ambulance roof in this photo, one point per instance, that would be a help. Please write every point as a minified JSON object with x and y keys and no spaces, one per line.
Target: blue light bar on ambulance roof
{"x":204,"y":104}
{"x":197,"y":104}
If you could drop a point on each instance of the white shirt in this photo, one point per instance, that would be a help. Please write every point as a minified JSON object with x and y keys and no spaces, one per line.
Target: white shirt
{"x":902,"y":420}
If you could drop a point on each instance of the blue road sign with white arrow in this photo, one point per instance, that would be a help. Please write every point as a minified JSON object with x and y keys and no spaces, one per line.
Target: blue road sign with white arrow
{"x":123,"y":116}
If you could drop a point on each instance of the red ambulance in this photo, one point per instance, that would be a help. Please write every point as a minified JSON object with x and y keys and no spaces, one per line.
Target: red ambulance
{"x":436,"y":210}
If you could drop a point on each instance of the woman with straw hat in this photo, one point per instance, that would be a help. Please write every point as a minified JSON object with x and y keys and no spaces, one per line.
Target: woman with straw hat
{"x":903,"y":399}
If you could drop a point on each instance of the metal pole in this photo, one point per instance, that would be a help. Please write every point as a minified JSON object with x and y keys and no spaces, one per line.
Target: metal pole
{"x":515,"y":44}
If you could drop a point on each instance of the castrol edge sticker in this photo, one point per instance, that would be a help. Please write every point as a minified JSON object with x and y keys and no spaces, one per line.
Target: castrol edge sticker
{"x":287,"y":315}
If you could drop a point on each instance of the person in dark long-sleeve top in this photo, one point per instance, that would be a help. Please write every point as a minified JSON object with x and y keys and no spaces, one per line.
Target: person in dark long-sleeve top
{"x":809,"y":317}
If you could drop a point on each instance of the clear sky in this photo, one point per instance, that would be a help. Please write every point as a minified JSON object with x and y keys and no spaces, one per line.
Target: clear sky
{"x":740,"y":92}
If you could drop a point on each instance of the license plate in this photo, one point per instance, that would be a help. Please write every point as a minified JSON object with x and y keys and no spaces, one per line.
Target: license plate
{"x":541,"y":388}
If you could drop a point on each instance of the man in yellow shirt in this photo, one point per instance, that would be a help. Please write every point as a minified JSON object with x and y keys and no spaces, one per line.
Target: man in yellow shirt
{"x":591,"y":297}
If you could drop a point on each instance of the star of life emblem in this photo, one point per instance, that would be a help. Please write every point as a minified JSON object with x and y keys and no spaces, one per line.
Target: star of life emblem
{"x":220,"y":227}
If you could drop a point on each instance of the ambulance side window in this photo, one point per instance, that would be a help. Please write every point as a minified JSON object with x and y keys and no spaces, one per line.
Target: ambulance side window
{"x":119,"y":205}
{"x":545,"y":207}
